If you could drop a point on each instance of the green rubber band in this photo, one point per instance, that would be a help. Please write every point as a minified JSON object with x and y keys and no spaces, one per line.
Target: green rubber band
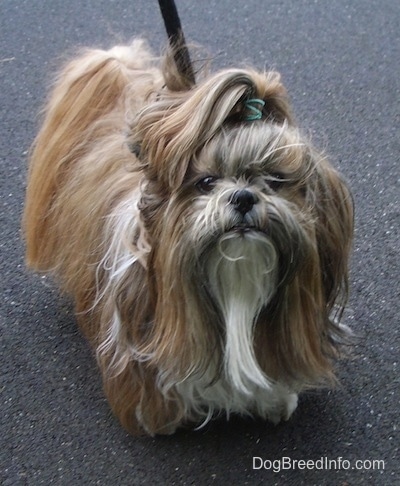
{"x":256,"y":112}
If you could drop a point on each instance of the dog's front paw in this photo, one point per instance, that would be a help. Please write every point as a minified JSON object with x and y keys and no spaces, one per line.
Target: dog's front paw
{"x":284,"y":409}
{"x":290,"y":405}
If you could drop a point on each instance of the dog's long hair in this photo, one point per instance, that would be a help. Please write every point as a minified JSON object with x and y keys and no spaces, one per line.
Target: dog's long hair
{"x":133,"y":182}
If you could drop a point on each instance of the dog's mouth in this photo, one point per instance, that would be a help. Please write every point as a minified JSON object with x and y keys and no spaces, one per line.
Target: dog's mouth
{"x":243,"y":228}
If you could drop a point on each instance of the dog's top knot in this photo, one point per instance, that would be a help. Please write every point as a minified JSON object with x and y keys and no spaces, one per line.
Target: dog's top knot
{"x":254,"y":112}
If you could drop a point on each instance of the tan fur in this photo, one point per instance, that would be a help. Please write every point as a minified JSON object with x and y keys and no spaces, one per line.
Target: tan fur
{"x":129,"y":237}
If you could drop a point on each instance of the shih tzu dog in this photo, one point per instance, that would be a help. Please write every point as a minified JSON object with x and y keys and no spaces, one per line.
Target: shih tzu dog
{"x":204,"y":240}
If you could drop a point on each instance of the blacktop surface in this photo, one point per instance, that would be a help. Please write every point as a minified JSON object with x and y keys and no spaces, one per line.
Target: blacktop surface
{"x":340,"y":61}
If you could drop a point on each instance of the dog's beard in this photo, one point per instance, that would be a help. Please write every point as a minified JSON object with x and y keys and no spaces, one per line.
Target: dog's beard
{"x":242,"y":271}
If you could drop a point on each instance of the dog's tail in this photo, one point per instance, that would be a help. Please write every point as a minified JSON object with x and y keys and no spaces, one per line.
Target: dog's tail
{"x":87,"y":90}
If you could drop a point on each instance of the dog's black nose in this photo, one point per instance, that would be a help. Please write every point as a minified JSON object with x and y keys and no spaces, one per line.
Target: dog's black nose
{"x":243,"y":201}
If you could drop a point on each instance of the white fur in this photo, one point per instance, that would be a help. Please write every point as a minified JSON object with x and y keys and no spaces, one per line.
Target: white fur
{"x":242,"y":271}
{"x":204,"y":400}
{"x":127,"y":246}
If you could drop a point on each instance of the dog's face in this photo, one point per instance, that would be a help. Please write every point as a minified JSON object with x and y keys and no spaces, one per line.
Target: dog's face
{"x":248,"y":185}
{"x":249,"y":231}
{"x":245,"y":179}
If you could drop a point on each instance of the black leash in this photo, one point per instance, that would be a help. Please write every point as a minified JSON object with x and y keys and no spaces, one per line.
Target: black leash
{"x":177,"y":39}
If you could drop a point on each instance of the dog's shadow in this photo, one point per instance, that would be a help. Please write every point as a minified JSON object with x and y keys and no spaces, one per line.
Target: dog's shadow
{"x":309,"y":432}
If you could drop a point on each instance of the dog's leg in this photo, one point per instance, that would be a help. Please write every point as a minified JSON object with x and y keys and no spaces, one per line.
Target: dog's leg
{"x":139,"y":405}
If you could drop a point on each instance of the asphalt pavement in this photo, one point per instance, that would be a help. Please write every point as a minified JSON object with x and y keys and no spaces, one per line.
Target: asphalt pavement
{"x":340,"y":61}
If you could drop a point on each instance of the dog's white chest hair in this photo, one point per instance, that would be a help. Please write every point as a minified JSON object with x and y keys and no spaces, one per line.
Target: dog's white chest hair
{"x":243,"y":279}
{"x":274,"y":403}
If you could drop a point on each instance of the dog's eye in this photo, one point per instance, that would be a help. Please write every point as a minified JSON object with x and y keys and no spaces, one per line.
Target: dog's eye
{"x":276,"y":181}
{"x":206,"y":184}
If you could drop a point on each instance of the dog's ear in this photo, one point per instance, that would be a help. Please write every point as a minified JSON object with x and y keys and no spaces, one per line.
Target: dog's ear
{"x":306,"y":337}
{"x":331,"y":199}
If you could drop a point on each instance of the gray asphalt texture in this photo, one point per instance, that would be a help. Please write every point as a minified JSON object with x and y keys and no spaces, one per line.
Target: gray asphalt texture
{"x":340,"y":61}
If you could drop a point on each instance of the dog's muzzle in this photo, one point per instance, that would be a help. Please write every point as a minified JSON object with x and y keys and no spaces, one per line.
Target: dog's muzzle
{"x":242,"y":202}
